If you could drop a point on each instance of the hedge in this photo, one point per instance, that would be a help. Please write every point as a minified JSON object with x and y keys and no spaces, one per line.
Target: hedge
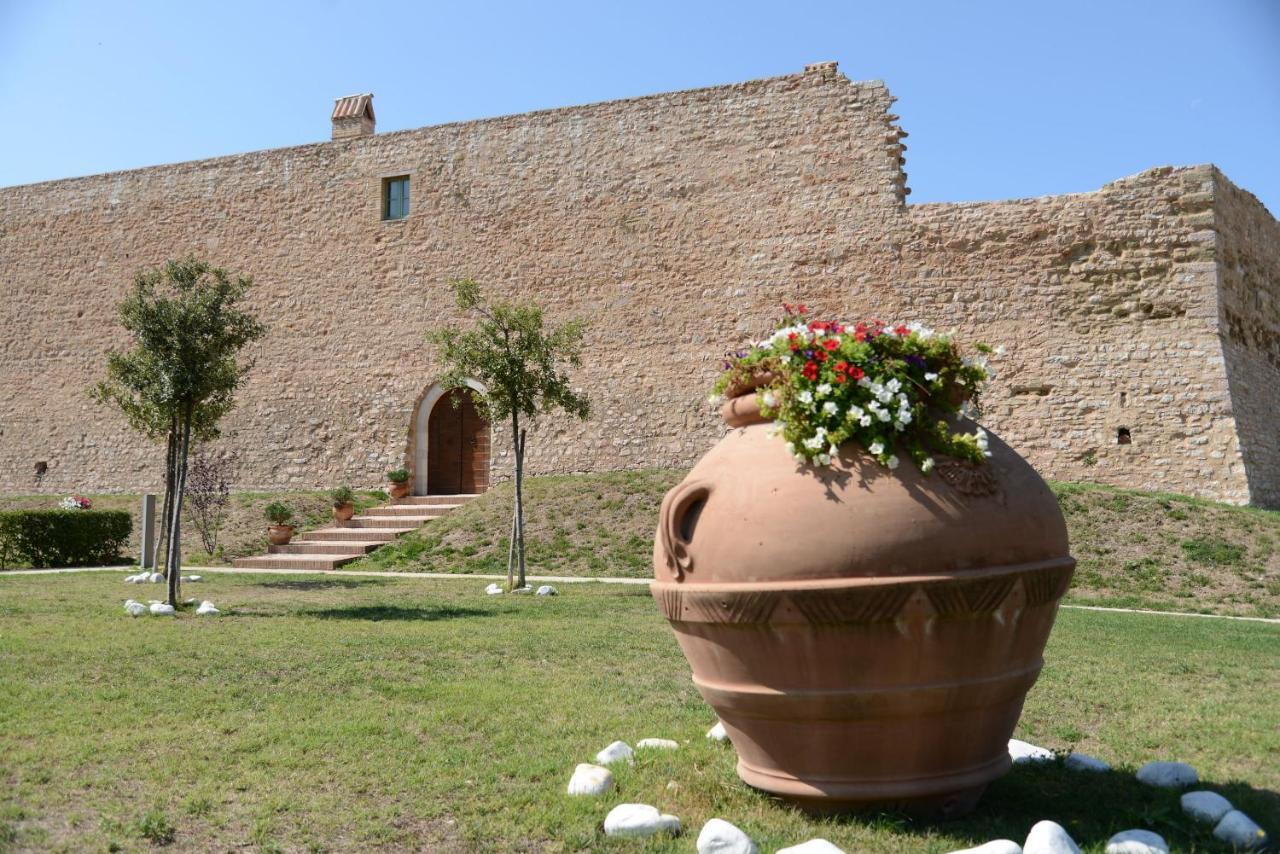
{"x":63,"y":537}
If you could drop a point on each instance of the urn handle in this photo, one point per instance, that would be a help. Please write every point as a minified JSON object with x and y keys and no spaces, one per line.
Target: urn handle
{"x":680,"y":510}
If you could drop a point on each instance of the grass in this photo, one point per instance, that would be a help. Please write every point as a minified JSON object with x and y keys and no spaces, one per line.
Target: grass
{"x":1135,"y":549}
{"x":328,"y":713}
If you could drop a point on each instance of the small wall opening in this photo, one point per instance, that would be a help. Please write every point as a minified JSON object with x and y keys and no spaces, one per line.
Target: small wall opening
{"x":1123,"y":436}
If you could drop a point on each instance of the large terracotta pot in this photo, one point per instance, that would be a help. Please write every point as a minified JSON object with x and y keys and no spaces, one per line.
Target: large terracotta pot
{"x":867,"y":637}
{"x":343,"y":512}
{"x":279,"y":535}
{"x":398,"y":489}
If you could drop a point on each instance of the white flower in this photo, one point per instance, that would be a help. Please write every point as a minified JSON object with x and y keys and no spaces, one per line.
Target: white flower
{"x":864,"y":382}
{"x":904,"y":416}
{"x":877,"y":448}
{"x":791,"y":448}
{"x":876,"y":388}
{"x":894,"y":385}
{"x":784,"y":358}
{"x":855,"y":412}
{"x":805,"y":396}
{"x":824,"y":389}
{"x":883,"y":415}
{"x":832,"y":451}
{"x":813,"y":443}
{"x":981,"y":437}
{"x":769,"y":399}
{"x":892,"y":462}
{"x":927,"y":465}
{"x":824,"y":459}
{"x":930,"y":377}
{"x":884,"y":396}
{"x":865,"y":421}
{"x":830,"y":407}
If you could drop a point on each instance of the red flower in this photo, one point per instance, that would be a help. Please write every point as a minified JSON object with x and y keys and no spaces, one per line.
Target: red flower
{"x":856,"y":373}
{"x":841,"y":366}
{"x":820,"y":355}
{"x":860,"y":335}
{"x":902,"y":330}
{"x":801,"y":308}
{"x":810,"y":371}
{"x":831,"y":344}
{"x":840,"y":378}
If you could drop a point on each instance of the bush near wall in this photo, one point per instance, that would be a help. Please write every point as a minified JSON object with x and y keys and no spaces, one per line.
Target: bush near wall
{"x":51,"y":538}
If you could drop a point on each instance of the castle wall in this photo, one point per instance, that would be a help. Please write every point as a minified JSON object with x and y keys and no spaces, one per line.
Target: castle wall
{"x":676,"y":225}
{"x":1249,"y":312}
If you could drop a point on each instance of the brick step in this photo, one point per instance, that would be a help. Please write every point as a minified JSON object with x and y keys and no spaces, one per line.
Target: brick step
{"x":436,"y":499}
{"x":399,"y":523}
{"x":368,"y":535}
{"x":411,"y":510}
{"x":326,"y":547}
{"x":318,"y":562}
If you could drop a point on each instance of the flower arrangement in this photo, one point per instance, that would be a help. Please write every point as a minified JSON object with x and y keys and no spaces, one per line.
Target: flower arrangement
{"x":75,"y":502}
{"x":886,"y":386}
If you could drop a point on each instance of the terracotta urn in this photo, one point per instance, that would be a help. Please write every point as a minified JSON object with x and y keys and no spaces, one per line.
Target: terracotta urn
{"x":343,"y":512}
{"x":867,"y":636}
{"x":279,"y":535}
{"x":398,"y":490}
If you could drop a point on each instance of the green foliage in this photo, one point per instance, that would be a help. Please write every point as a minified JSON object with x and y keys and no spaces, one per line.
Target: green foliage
{"x":278,"y":513}
{"x":398,"y":475}
{"x":342,"y":495}
{"x":51,"y":538}
{"x":156,"y":828}
{"x":512,"y":355}
{"x":1213,"y":551}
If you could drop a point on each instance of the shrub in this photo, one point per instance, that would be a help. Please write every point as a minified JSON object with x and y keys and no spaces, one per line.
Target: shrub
{"x":44,"y":538}
{"x":1213,"y":551}
{"x":278,"y":513}
{"x":342,"y":495}
{"x":398,"y":475}
{"x":156,"y":828}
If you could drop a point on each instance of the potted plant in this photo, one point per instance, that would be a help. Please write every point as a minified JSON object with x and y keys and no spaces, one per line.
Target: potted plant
{"x":399,"y":479}
{"x":280,"y":531}
{"x":861,"y":578}
{"x":343,"y":503}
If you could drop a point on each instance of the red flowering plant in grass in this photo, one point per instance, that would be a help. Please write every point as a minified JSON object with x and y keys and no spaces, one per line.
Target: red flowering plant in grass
{"x":889,"y":387}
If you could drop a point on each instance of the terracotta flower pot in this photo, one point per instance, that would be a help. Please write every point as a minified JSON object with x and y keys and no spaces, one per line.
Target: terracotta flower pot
{"x":398,"y":490}
{"x":279,"y":535}
{"x":343,"y":512}
{"x":867,"y":637}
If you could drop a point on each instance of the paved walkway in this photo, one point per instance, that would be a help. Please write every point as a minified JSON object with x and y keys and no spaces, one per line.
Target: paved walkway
{"x":543,"y":579}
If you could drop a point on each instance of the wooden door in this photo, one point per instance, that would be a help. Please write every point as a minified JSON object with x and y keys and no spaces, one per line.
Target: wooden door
{"x":457,"y":446}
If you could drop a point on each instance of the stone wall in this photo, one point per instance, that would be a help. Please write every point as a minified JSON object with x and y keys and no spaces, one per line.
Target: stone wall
{"x":1249,"y":313}
{"x":675,"y":224}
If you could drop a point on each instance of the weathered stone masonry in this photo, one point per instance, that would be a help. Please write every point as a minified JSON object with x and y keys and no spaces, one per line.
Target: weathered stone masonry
{"x":676,"y":224}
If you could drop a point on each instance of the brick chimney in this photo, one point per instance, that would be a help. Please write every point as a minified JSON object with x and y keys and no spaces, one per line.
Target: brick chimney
{"x":353,"y":116}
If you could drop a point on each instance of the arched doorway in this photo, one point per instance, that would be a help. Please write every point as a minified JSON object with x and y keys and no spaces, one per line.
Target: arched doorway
{"x":451,"y":444}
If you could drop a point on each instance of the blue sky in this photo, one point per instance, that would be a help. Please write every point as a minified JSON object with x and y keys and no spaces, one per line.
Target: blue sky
{"x":1001,"y":99}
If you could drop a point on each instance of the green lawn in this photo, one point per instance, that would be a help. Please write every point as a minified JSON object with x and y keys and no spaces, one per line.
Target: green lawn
{"x":330,"y":713}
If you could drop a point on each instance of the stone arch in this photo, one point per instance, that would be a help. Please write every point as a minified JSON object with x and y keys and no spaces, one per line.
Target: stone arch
{"x":418,"y":446}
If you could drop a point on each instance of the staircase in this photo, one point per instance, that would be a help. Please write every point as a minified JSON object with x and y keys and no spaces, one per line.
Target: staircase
{"x":343,"y":542}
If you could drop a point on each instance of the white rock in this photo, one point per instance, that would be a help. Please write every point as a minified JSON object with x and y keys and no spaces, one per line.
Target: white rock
{"x":494,"y":589}
{"x":720,"y":837}
{"x":135,"y":579}
{"x":590,"y":780}
{"x":717,"y":733}
{"x":1137,"y":842}
{"x":1208,"y":807}
{"x":1085,"y":762}
{"x":1023,"y":751}
{"x":154,"y":602}
{"x":1168,"y":775}
{"x":995,"y":846}
{"x":1239,"y":830}
{"x":206,"y":609}
{"x":616,"y":752}
{"x":193,"y":578}
{"x":160,"y":609}
{"x":547,"y":590}
{"x":639,"y":820}
{"x":135,"y":609}
{"x":813,"y":846}
{"x":1049,"y":837}
{"x":657,"y":744}
{"x":155,"y":578}
{"x":526,"y":589}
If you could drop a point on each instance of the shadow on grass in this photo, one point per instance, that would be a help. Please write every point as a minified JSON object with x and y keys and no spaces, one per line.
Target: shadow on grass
{"x":1092,"y":807}
{"x":324,"y":584}
{"x":377,"y":613}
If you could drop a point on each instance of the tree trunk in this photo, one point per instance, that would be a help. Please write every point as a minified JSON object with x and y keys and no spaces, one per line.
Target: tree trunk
{"x":173,"y":566}
{"x":170,"y":474}
{"x":520,"y":505}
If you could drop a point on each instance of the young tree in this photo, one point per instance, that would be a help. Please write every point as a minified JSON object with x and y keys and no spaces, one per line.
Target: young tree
{"x":519,"y":363}
{"x":181,"y":374}
{"x":208,"y":493}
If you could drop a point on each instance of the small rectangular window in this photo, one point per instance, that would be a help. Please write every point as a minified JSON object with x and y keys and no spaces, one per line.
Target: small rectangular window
{"x":395,"y":198}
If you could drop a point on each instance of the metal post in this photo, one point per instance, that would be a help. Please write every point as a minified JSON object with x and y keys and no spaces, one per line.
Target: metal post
{"x":148,"y":532}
